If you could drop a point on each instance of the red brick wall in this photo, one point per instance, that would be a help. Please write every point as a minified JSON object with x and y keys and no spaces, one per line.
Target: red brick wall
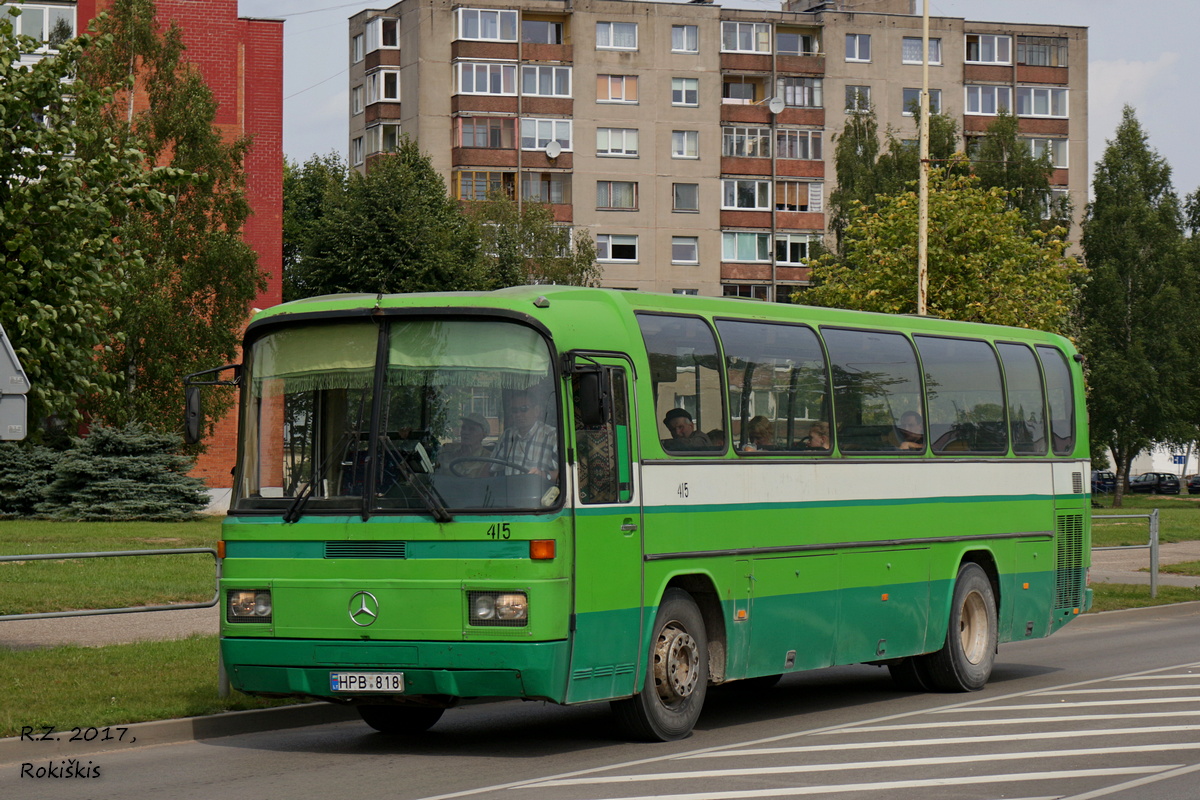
{"x":242,"y":63}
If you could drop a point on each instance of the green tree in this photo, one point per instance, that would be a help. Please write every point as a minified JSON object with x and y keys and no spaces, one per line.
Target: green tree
{"x":524,"y":244}
{"x":1138,"y":307}
{"x":66,"y":182}
{"x":183,"y":308}
{"x":393,"y":230}
{"x":984,"y":264}
{"x":1002,"y":158}
{"x":308,"y":191}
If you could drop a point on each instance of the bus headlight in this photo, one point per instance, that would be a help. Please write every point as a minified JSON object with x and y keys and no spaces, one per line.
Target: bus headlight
{"x":253,"y":605}
{"x":499,"y":608}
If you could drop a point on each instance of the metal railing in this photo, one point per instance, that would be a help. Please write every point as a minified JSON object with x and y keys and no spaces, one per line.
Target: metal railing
{"x":1152,"y":545}
{"x":222,"y":678}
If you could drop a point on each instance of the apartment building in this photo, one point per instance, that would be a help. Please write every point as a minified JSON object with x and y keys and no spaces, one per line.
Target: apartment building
{"x":694,"y":142}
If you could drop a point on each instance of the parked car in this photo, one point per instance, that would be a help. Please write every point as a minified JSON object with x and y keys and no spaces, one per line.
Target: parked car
{"x":1193,"y":484}
{"x":1103,"y":482}
{"x":1155,"y":483}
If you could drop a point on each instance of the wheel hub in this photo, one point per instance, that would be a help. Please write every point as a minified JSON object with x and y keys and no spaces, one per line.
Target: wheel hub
{"x":676,"y":664}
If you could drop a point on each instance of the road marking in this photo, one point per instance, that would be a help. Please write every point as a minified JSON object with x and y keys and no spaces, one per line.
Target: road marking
{"x":1120,"y":787}
{"x":875,"y":745}
{"x":1013,"y":721}
{"x":885,"y":786}
{"x":1124,"y":690}
{"x":1141,"y":701}
{"x":793,"y":769}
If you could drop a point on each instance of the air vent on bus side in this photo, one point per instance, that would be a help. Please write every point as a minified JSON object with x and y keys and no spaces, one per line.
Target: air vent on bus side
{"x":365,"y":549}
{"x":1077,"y":481}
{"x":1068,"y":579}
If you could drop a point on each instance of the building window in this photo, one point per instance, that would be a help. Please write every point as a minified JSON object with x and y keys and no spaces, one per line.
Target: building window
{"x":746,"y":195}
{"x":383,"y":86}
{"x":1042,"y":51}
{"x":486,"y":78}
{"x":546,"y":81}
{"x":740,"y":90}
{"x":795,"y":43}
{"x":1041,"y":102}
{"x":685,"y":197}
{"x":858,"y":99}
{"x":988,"y":100}
{"x":52,"y":25}
{"x":536,"y":31}
{"x":798,"y":144}
{"x":912,"y":102}
{"x":616,"y":247}
{"x":746,"y":142}
{"x":492,"y":133}
{"x":690,"y":292}
{"x":616,"y":36}
{"x":356,"y":151}
{"x":910,"y":50}
{"x":745,"y":37}
{"x":486,"y":25}
{"x":546,"y":187}
{"x":685,"y":144}
{"x":800,"y":92}
{"x":685,"y":39}
{"x":685,"y":250}
{"x":537,"y":133}
{"x":750,"y":291}
{"x":383,"y":34}
{"x":617,"y":142}
{"x":798,"y":195}
{"x":988,"y":49}
{"x":357,"y":49}
{"x":383,"y":138}
{"x":747,"y":247}
{"x":1057,"y":148}
{"x":616,"y":89}
{"x":858,"y":47}
{"x":685,"y":91}
{"x":616,"y":195}
{"x":356,"y":100}
{"x":791,"y":249}
{"x":477,"y":184}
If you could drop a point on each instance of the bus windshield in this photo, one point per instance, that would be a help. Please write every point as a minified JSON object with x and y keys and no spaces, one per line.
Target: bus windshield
{"x":404,"y":416}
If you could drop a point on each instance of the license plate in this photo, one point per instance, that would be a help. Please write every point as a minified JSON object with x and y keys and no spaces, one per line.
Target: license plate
{"x":392,"y":682}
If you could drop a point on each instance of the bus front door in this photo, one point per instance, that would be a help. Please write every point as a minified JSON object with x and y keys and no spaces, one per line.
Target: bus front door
{"x":607,"y":617}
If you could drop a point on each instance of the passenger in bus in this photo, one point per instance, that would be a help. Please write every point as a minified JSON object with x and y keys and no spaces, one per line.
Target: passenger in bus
{"x":910,"y":432}
{"x":684,"y":435}
{"x":760,"y":435}
{"x":717,"y":437}
{"x":818,"y":436}
{"x":527,"y":441}
{"x":471,"y":434}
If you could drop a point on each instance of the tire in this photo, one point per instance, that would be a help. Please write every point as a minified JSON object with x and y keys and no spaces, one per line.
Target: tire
{"x":676,"y":675}
{"x":965,"y":661}
{"x":910,"y":675}
{"x":400,"y":720}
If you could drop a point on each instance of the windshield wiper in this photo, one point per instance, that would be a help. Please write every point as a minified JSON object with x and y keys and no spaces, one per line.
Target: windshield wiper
{"x":296,"y":508}
{"x":428,"y":493}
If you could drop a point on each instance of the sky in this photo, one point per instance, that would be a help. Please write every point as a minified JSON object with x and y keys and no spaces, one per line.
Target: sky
{"x":1140,"y":55}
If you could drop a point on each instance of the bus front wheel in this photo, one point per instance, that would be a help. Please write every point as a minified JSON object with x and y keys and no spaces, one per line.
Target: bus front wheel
{"x":676,"y":676}
{"x":964,"y":663}
{"x":400,"y":720}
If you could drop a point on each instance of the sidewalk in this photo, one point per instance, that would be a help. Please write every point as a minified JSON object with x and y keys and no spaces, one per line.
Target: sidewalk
{"x":1132,"y":566}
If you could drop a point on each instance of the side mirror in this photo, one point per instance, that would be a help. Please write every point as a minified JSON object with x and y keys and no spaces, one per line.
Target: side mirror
{"x":193,"y":415}
{"x":589,"y":409}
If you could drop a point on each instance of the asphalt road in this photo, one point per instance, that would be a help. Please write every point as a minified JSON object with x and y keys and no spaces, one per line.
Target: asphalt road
{"x":1108,"y":707}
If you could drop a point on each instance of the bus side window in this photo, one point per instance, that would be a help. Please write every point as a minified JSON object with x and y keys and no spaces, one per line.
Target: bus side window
{"x":963,"y":396}
{"x":876,"y":390}
{"x":686,"y":375}
{"x":1026,"y":401}
{"x":603,"y":449}
{"x":1062,"y":399}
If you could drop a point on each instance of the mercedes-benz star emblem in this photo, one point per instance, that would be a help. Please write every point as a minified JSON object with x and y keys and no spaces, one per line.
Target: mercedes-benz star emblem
{"x":364,"y":609}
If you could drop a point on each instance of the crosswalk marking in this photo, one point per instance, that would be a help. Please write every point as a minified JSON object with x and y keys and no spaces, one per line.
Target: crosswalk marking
{"x":1034,"y":706}
{"x":1012,"y":721}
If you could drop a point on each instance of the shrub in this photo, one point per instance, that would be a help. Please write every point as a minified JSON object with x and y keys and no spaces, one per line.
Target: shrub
{"x":26,"y":472}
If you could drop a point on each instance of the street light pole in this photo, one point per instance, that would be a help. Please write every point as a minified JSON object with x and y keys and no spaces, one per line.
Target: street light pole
{"x":923,"y":183}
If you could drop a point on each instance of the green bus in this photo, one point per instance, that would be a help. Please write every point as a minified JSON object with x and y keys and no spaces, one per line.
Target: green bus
{"x":575,"y":495}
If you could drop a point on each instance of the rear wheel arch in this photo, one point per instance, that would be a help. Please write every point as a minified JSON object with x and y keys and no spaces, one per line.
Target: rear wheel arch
{"x":704,"y":593}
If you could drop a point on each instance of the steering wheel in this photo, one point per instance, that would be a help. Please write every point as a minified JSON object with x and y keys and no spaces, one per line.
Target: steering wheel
{"x":504,"y":462}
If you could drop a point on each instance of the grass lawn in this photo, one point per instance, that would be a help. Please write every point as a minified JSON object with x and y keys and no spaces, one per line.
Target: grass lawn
{"x":96,"y":686}
{"x":1117,"y":596}
{"x":39,"y":586}
{"x":1178,"y":520}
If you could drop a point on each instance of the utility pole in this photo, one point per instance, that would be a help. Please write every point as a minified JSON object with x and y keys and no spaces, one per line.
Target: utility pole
{"x":923,"y":183}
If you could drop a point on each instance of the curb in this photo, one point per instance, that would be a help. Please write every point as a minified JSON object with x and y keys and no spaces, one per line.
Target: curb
{"x":14,"y":750}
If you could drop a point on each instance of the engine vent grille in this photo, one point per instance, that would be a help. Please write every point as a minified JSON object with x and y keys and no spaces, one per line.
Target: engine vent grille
{"x":1068,"y":580}
{"x":366,"y":549}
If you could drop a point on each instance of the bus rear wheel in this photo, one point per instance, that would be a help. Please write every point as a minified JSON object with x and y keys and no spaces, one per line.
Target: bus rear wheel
{"x":400,"y":720}
{"x":676,"y":676}
{"x":965,"y":661}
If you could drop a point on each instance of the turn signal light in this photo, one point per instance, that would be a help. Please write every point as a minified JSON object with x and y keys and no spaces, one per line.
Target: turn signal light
{"x":541,"y":549}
